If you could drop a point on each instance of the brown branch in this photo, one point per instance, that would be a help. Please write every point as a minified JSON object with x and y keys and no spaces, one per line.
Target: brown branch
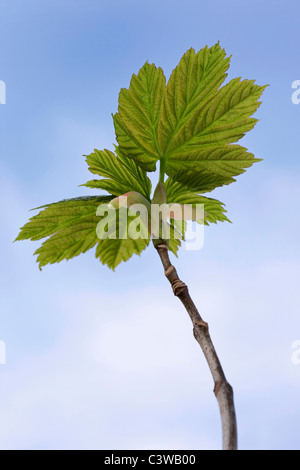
{"x":222,"y":389}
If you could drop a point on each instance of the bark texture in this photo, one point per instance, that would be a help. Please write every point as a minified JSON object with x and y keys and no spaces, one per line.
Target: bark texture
{"x":222,"y":389}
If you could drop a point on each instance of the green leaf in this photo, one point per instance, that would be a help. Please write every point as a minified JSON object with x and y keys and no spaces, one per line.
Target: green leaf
{"x":60,"y":215}
{"x":123,"y":174}
{"x":112,"y":251}
{"x":192,"y":122}
{"x":72,"y":225}
{"x":136,"y":122}
{"x":214,"y":210}
{"x":199,"y":135}
{"x":221,"y":163}
{"x":190,"y":126}
{"x":199,"y":120}
{"x":174,"y":243}
{"x":177,"y":234}
{"x":192,"y":83}
{"x":200,"y":181}
{"x":179,"y":227}
{"x":222,"y":119}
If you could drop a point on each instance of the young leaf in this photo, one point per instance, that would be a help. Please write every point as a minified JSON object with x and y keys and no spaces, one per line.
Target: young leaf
{"x":61,"y":215}
{"x":136,"y":122}
{"x":190,"y":126}
{"x":123,"y":175}
{"x":199,"y":120}
{"x":190,"y":87}
{"x":200,"y":181}
{"x":224,"y":162}
{"x":222,"y":119}
{"x":191,"y":123}
{"x":72,"y":224}
{"x":112,"y":251}
{"x":213,"y":209}
{"x":174,"y":243}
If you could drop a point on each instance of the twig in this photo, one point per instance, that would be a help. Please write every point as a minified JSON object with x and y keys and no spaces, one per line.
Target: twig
{"x":223,"y":390}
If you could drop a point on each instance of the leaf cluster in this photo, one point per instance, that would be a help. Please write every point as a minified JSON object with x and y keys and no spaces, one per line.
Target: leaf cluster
{"x":189,"y":126}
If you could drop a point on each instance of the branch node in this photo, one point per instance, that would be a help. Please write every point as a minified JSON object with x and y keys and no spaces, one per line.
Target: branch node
{"x":201,"y":323}
{"x":217,"y":387}
{"x":169,"y":270}
{"x":178,"y":287}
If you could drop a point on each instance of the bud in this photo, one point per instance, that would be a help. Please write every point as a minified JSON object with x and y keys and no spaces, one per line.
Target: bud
{"x":159,"y":196}
{"x":136,"y":203}
{"x":128,"y":199}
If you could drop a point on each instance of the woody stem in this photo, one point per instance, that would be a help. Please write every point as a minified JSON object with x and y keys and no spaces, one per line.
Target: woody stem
{"x":222,"y":389}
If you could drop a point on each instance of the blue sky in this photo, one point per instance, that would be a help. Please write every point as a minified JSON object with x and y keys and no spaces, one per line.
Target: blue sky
{"x":105,"y":360}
